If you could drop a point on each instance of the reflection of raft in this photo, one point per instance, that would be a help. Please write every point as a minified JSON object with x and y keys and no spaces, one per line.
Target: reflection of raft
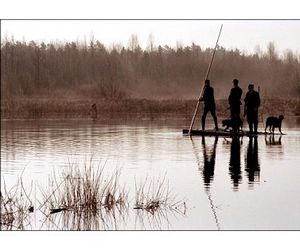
{"x":223,"y":133}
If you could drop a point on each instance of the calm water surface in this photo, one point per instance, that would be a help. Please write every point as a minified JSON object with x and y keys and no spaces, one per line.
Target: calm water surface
{"x":226,"y":184}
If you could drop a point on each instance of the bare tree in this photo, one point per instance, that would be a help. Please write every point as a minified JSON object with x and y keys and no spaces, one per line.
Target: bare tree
{"x":150,"y":46}
{"x":133,"y":43}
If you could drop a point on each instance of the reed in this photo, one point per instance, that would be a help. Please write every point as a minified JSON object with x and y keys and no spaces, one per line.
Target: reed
{"x":88,"y":197}
{"x":16,"y":207}
{"x":155,"y":196}
{"x":84,"y":190}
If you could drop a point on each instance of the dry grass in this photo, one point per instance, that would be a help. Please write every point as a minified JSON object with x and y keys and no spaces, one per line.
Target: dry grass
{"x":85,"y":199}
{"x":16,"y":207}
{"x":85,"y":190}
{"x":155,"y":196}
{"x":155,"y":203}
{"x":89,"y":198}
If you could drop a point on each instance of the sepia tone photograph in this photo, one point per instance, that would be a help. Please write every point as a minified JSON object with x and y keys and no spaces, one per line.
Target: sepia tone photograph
{"x":150,"y":124}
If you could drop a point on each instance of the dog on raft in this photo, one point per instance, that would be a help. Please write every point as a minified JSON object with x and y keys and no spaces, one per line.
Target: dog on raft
{"x":230,"y":123}
{"x":274,"y":122}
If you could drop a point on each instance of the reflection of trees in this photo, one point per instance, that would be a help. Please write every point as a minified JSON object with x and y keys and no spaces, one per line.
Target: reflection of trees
{"x":235,"y":162}
{"x":252,"y":167}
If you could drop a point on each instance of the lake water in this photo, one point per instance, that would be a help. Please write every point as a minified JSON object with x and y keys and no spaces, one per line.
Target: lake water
{"x":226,"y":184}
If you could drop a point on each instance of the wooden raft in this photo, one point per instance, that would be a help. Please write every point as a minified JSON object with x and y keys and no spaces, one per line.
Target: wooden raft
{"x":224,"y":133}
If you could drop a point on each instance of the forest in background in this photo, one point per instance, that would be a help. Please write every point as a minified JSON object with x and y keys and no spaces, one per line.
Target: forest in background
{"x":90,"y":70}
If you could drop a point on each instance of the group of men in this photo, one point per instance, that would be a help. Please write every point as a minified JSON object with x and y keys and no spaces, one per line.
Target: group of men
{"x":252,"y":103}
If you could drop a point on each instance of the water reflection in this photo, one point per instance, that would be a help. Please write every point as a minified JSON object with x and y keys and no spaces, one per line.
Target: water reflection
{"x":252,"y":166}
{"x":143,"y":148}
{"x":235,"y":163}
{"x":86,"y":220}
{"x":209,"y":156}
{"x":160,"y":220}
{"x":272,"y":140}
{"x":208,"y":169}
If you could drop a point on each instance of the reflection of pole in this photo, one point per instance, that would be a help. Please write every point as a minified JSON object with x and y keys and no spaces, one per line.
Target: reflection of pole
{"x":211,"y":202}
{"x":206,"y":77}
{"x":212,"y":206}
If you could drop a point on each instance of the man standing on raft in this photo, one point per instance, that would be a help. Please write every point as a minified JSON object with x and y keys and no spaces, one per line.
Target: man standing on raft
{"x":234,"y":100}
{"x":209,"y":104}
{"x":252,"y":102}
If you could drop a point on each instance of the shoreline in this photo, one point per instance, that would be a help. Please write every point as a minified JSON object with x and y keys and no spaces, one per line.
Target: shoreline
{"x":33,"y":108}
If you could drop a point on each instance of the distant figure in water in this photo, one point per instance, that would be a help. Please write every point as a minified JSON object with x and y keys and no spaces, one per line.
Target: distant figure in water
{"x":93,"y":112}
{"x":209,"y":104}
{"x":234,"y":101}
{"x":252,"y":103}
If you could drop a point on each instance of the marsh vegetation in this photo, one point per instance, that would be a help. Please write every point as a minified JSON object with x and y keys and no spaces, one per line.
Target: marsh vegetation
{"x":16,"y":206}
{"x":86,"y":198}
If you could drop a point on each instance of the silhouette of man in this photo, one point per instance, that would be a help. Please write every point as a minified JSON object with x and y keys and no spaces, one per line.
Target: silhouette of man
{"x":209,"y":104}
{"x":209,"y":162}
{"x":252,"y":102}
{"x":252,"y":164}
{"x":235,"y":162}
{"x":234,"y":100}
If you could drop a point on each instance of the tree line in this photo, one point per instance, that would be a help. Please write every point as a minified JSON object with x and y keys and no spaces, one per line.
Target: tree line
{"x":92,"y":70}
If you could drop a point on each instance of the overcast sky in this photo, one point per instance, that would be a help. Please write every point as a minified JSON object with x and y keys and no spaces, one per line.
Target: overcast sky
{"x":244,"y":35}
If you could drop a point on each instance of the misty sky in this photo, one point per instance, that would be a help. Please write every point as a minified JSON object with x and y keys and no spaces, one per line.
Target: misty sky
{"x":244,"y":35}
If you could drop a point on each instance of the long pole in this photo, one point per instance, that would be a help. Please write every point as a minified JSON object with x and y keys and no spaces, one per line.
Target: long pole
{"x":206,"y":77}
